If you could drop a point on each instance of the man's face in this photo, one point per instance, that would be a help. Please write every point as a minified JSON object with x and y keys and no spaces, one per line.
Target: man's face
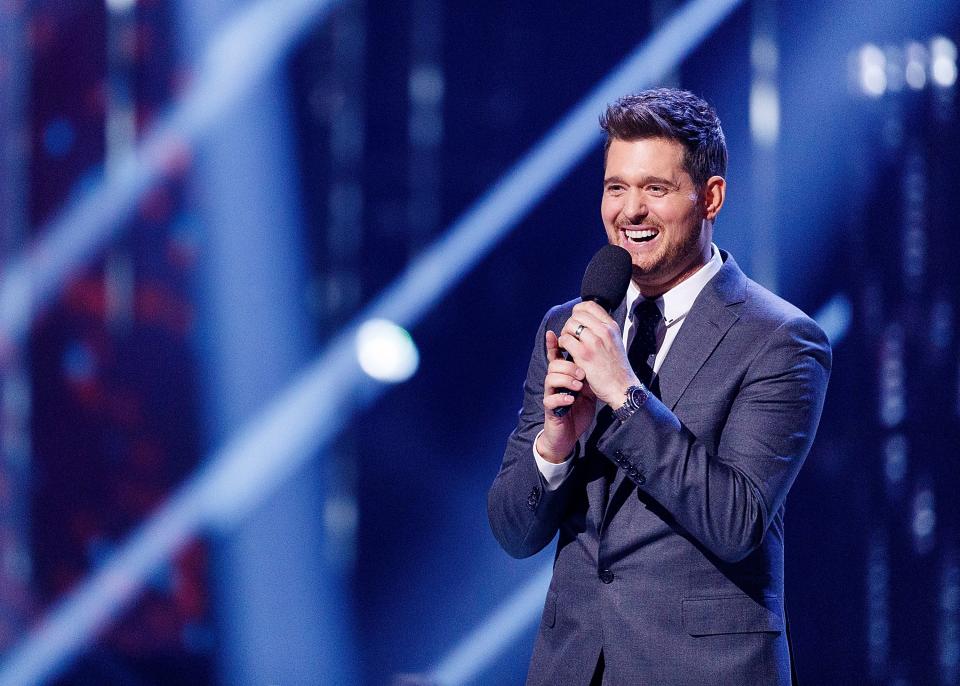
{"x":651,"y":207}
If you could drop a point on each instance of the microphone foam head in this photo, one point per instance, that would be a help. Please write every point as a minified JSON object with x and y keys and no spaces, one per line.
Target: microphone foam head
{"x":607,"y":277}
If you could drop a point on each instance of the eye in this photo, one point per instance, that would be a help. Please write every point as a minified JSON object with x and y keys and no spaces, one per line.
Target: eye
{"x":614,"y":188}
{"x":657,"y":190}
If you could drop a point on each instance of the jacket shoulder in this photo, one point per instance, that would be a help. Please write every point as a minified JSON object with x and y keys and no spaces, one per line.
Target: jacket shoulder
{"x":770,"y":320}
{"x":558,"y":315}
{"x":768,"y":311}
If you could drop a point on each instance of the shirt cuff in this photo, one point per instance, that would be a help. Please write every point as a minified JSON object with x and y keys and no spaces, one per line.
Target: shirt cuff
{"x":554,"y":474}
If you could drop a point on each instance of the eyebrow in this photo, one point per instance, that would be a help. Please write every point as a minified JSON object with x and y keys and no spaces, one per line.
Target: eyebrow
{"x":646,"y":180}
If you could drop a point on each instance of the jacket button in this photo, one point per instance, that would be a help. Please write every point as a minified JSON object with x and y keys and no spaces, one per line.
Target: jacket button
{"x":606,"y":576}
{"x":641,"y":479}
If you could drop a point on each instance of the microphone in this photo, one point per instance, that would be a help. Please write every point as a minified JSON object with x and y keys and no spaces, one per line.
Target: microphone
{"x":605,"y":282}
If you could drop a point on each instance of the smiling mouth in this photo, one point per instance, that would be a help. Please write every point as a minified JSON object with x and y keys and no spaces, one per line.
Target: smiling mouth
{"x":640,"y":235}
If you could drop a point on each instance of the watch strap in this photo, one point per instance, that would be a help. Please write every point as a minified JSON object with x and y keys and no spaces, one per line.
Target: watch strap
{"x":636,"y":397}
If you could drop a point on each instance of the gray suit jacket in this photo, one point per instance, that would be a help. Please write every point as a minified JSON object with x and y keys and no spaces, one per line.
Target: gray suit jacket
{"x":670,"y":554}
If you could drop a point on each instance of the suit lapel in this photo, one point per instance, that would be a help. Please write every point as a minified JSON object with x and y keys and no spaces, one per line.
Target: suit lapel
{"x":620,"y":314}
{"x":695,"y":342}
{"x":706,"y":324}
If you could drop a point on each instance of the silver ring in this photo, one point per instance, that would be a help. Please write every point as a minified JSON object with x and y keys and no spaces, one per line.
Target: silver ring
{"x":576,"y":334}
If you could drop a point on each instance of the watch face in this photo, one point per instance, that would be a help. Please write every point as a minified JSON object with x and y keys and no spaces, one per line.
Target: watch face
{"x":637,"y":396}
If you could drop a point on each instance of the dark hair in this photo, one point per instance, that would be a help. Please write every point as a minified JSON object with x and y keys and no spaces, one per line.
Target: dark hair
{"x":675,"y":114}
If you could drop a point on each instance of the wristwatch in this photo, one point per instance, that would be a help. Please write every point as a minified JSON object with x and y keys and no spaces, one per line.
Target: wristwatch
{"x":636,"y":397}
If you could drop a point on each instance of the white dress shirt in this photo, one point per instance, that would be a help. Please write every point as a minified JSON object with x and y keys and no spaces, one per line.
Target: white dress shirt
{"x":674,"y":306}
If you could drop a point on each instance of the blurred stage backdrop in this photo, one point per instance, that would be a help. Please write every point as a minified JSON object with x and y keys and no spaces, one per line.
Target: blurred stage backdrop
{"x":271,"y":272}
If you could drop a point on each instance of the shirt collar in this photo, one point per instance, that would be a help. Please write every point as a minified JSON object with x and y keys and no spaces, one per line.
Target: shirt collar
{"x":675,"y":303}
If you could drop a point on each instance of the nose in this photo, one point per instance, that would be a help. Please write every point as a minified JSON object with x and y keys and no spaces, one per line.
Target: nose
{"x":635,"y":207}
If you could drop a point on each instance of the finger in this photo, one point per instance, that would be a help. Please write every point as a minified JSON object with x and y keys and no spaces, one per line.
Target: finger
{"x":567,"y":367}
{"x":578,"y":330}
{"x":570,"y":327}
{"x":588,"y":337}
{"x":606,"y":329}
{"x":556,"y":382}
{"x":555,"y":400}
{"x":553,"y":346}
{"x":571,"y":344}
{"x":590,"y":320}
{"x":592,"y":310}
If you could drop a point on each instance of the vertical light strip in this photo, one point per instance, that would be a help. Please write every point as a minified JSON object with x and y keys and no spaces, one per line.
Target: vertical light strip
{"x":426,"y":85}
{"x":878,"y":606}
{"x":271,"y":589}
{"x":764,"y":134}
{"x":948,"y":642}
{"x":120,"y":125}
{"x":15,"y":393}
{"x":339,"y":275}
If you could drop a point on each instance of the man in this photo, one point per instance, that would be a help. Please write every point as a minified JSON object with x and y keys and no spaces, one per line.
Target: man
{"x":666,"y":479}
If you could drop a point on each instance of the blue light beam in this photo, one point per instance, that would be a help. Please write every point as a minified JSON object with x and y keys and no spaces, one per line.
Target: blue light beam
{"x":484,"y":644}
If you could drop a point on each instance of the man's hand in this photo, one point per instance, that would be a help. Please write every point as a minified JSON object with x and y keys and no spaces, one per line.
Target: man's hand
{"x":599,"y":352}
{"x":560,"y":434}
{"x":599,"y":369}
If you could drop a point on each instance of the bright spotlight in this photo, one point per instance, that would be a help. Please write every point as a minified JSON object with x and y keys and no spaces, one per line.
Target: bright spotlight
{"x":764,"y":113}
{"x":943,"y":61}
{"x":915,"y":71}
{"x":873,"y":70}
{"x":386,"y":352}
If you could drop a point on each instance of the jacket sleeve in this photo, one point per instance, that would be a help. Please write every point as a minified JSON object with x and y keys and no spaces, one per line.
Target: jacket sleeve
{"x":727,"y":500}
{"x":524,"y":516}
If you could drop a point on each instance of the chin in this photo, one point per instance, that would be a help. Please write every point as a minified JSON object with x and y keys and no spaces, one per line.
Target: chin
{"x":648,"y":265}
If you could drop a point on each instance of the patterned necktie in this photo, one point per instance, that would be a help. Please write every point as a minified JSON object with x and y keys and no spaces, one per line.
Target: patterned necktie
{"x":646,"y":318}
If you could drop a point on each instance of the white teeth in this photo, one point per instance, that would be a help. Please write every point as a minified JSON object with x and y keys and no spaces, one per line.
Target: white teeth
{"x":638,"y":234}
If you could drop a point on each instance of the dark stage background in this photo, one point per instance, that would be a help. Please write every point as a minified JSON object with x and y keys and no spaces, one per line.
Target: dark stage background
{"x":357,"y":550}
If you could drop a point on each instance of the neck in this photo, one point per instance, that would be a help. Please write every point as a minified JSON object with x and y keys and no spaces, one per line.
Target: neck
{"x":655,"y":290}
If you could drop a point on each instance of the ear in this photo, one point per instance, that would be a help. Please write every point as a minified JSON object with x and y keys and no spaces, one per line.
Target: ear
{"x":714,"y":192}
